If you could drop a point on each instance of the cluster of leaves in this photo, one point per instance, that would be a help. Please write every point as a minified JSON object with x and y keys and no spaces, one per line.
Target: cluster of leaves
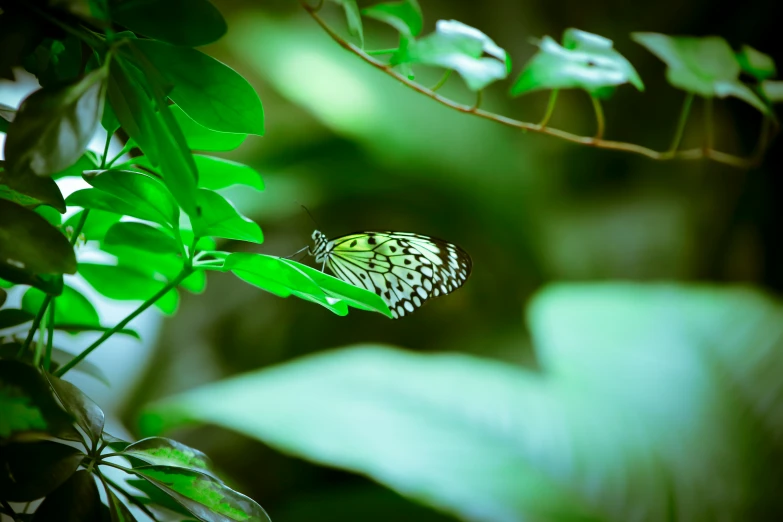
{"x":706,"y":67}
{"x":150,"y":221}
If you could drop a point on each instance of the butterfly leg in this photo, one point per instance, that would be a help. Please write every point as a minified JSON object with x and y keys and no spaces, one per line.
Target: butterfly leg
{"x":298,"y":252}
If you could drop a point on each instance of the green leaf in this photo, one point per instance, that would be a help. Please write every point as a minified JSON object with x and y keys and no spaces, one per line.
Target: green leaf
{"x":52,"y":216}
{"x":585,"y":61}
{"x":156,"y":131}
{"x":142,"y":196}
{"x":119,"y":511}
{"x":157,"y":497}
{"x":596,"y":402}
{"x":405,"y":16}
{"x":160,"y":451}
{"x":180,"y":22}
{"x":755,"y":63}
{"x":706,"y":66}
{"x":201,"y":138}
{"x":27,"y":405}
{"x":220,"y":219}
{"x":29,"y":190}
{"x":772,"y":90}
{"x":31,"y":470}
{"x":215,"y":173}
{"x":54,"y":126}
{"x":278,"y":277}
{"x":339,"y":289}
{"x":20,"y":32}
{"x":79,"y":328}
{"x":142,"y":237}
{"x":126,"y":284}
{"x":458,"y":47}
{"x":206,"y":498}
{"x":14,"y":317}
{"x":98,"y":222}
{"x":30,"y":246}
{"x":77,"y":500}
{"x":72,"y":306}
{"x":88,"y":415}
{"x":55,"y":62}
{"x":210,"y":92}
{"x":353,"y":18}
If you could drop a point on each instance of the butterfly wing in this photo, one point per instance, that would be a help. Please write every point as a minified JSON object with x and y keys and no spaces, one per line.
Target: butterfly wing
{"x":405,"y":269}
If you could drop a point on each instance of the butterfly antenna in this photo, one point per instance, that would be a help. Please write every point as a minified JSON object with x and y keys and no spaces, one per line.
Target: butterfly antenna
{"x":311,"y":216}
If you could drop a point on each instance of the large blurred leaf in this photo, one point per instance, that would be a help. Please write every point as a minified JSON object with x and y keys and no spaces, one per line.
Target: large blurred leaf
{"x":585,"y":60}
{"x":77,"y":500}
{"x":646,"y":392}
{"x":755,"y":63}
{"x":30,"y":470}
{"x":55,"y":61}
{"x":353,"y":18}
{"x":53,"y":126}
{"x":706,"y":66}
{"x":210,"y":92}
{"x":31,"y":247}
{"x":459,"y":47}
{"x":405,"y":16}
{"x":179,"y":22}
{"x":207,"y":498}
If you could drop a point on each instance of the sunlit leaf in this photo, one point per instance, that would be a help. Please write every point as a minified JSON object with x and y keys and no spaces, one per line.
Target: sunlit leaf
{"x":458,"y":47}
{"x":161,"y":451}
{"x":31,"y":470}
{"x":405,"y":16}
{"x":179,"y":22}
{"x":126,"y":284}
{"x":54,"y":126}
{"x":98,"y":221}
{"x":142,"y":237}
{"x":201,"y":138}
{"x":220,"y":219}
{"x":72,"y":307}
{"x":210,"y":92}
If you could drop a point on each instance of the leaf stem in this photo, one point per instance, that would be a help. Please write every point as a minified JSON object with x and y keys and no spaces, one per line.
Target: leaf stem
{"x":105,"y":150}
{"x":442,"y":81}
{"x":684,"y":113}
{"x":479,"y":98}
{"x":708,"y":133}
{"x":125,"y":149}
{"x":50,"y":337}
{"x":632,"y":148}
{"x":376,"y":52}
{"x":550,"y":107}
{"x":119,"y":326}
{"x":599,"y":118}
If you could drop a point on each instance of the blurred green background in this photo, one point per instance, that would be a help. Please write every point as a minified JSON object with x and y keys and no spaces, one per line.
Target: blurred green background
{"x":363,"y":152}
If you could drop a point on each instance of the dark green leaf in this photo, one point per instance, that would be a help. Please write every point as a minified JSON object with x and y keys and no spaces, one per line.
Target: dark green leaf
{"x":155,"y":131}
{"x":206,"y":498}
{"x":55,"y":62}
{"x":31,"y":470}
{"x":210,"y":92}
{"x":115,"y":443}
{"x":3,"y":297}
{"x":7,"y":115}
{"x":77,"y":500}
{"x":88,"y":415}
{"x":405,"y":16}
{"x":180,"y":22}
{"x":585,"y":61}
{"x":458,"y":47}
{"x":339,"y":289}
{"x":143,"y":196}
{"x":706,"y":66}
{"x":97,"y":223}
{"x":353,"y":18}
{"x":30,"y":245}
{"x":14,"y":317}
{"x":27,"y":405}
{"x":278,"y":277}
{"x":54,"y":126}
{"x":201,"y":138}
{"x":160,"y":451}
{"x":218,"y":218}
{"x":29,"y":190}
{"x":93,"y":11}
{"x":20,"y":32}
{"x":142,"y":237}
{"x":72,"y":306}
{"x":773,"y":90}
{"x":125,"y":284}
{"x":118,"y":510}
{"x":79,"y":328}
{"x":755,"y":63}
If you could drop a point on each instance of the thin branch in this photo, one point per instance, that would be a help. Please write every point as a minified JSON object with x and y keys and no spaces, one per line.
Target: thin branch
{"x":50,"y":336}
{"x":690,"y":154}
{"x":376,"y":52}
{"x":684,"y":113}
{"x":550,"y":108}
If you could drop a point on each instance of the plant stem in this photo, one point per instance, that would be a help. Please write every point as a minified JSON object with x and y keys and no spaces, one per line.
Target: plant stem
{"x":442,"y":81}
{"x":550,"y":107}
{"x":50,"y":337}
{"x":119,"y":326}
{"x":105,"y":150}
{"x":125,"y":149}
{"x":684,"y":113}
{"x":381,"y":51}
{"x":599,"y":118}
{"x":479,"y":97}
{"x":708,"y":135}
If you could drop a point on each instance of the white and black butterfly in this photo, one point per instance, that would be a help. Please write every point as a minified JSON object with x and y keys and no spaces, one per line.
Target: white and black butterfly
{"x":404,"y":269}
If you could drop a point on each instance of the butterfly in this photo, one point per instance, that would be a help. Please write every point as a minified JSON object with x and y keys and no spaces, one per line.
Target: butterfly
{"x":404,"y":269}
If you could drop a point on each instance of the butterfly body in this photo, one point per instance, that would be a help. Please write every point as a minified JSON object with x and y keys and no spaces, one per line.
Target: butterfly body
{"x":404,"y":269}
